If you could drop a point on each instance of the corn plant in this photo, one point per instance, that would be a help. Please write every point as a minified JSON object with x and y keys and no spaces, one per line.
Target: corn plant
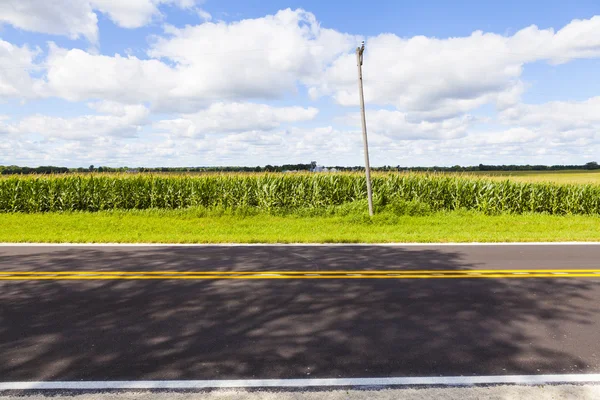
{"x":289,"y":191}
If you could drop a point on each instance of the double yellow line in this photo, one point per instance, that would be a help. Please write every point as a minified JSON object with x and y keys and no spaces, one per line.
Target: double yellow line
{"x":345,"y":274}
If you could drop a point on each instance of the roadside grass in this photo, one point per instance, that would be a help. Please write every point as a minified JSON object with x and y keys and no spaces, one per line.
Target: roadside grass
{"x":195,"y":225}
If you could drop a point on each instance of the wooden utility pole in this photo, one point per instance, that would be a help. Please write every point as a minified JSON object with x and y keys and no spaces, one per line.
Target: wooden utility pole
{"x":359,"y":60}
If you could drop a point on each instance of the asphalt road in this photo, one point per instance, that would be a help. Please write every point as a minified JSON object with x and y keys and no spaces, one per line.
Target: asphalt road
{"x":134,"y":329}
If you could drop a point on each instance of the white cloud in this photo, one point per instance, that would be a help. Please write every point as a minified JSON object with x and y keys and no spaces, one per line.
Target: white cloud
{"x":235,"y":117}
{"x":16,"y":63}
{"x":556,"y":116}
{"x":71,"y":18}
{"x":77,"y":75}
{"x":291,"y":42}
{"x":178,"y":127}
{"x":204,"y":15}
{"x":249,"y":59}
{"x":203,"y":84}
{"x":127,"y":122}
{"x":117,"y":109}
{"x":440,"y":78}
{"x":128,"y":14}
{"x":570,"y":125}
{"x":5,"y":126}
{"x":267,"y":57}
{"x":135,"y":13}
{"x":432,"y":79}
{"x":76,"y":18}
{"x":281,"y":146}
{"x":518,"y":135}
{"x":397,"y":125}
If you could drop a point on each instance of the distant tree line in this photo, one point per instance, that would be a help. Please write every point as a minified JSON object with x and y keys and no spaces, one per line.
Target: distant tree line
{"x":483,"y":167}
{"x":13,"y":169}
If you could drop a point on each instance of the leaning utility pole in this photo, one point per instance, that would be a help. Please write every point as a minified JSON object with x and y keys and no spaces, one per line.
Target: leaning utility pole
{"x":359,"y":60}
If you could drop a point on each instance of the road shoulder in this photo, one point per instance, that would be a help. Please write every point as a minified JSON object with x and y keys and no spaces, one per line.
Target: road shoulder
{"x":512,"y":392}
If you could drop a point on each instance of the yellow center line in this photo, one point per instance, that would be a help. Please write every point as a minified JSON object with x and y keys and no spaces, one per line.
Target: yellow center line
{"x":335,"y":272}
{"x":342,"y":274}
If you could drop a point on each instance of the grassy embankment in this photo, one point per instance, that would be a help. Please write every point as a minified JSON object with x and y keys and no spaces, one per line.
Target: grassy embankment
{"x":317,"y":208}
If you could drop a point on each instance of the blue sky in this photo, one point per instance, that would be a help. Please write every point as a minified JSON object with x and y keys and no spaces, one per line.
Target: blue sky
{"x":185,"y":82}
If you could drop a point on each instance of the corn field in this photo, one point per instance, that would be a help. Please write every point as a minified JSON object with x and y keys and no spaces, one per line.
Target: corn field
{"x":276,"y":191}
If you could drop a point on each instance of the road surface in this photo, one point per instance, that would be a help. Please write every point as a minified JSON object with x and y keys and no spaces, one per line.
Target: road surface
{"x":102,"y":313}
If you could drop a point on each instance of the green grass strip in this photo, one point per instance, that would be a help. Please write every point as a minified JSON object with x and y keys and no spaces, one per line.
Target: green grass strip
{"x":192,"y":226}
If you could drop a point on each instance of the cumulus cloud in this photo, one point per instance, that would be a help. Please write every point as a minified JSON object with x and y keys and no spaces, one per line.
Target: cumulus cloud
{"x":259,"y":124}
{"x":235,"y":117}
{"x":290,"y":145}
{"x":178,"y":127}
{"x":556,"y":116}
{"x":204,"y":84}
{"x":426,"y":79}
{"x":77,"y":18}
{"x":279,"y":146}
{"x":398,"y":125}
{"x":249,"y":59}
{"x":77,"y":75}
{"x":441,"y":78}
{"x":326,"y":144}
{"x":127,"y":122}
{"x":117,"y":109}
{"x":268,"y":57}
{"x":203,"y":14}
{"x":5,"y":126}
{"x":290,"y":44}
{"x":72,"y":18}
{"x":565,"y":124}
{"x":16,"y":64}
{"x":136,"y":13}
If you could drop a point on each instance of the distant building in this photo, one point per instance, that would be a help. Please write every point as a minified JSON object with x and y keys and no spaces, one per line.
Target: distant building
{"x":320,"y":168}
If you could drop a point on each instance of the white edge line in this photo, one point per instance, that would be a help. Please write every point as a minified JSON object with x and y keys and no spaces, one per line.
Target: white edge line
{"x":410,"y":244}
{"x":269,"y":383}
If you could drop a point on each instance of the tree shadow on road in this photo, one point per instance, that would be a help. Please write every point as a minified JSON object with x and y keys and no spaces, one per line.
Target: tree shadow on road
{"x":108,"y":330}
